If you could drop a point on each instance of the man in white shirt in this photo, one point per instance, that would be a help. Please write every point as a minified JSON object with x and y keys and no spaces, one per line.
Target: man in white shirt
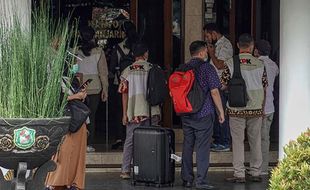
{"x":262,"y":51}
{"x":220,"y":50}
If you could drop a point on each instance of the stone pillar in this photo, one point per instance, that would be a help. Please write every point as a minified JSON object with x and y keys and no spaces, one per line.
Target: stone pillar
{"x":193,"y":24}
{"x":19,"y":8}
{"x":294,"y":70}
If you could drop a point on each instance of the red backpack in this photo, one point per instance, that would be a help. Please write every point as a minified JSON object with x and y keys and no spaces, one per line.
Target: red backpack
{"x":186,"y":92}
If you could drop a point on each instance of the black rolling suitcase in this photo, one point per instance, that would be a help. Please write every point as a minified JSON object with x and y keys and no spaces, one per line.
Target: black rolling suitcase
{"x":152,"y":163}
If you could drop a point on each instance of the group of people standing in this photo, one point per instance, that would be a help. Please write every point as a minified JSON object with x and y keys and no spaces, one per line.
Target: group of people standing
{"x":226,"y":124}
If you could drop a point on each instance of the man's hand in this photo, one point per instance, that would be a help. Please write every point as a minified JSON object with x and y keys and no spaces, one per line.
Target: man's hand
{"x":216,"y":97}
{"x":82,"y":94}
{"x":221,"y":118}
{"x":125,"y":120}
{"x":104,"y":96}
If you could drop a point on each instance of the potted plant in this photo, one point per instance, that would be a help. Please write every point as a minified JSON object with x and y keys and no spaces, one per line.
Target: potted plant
{"x":32,"y":121}
{"x":293,"y":172}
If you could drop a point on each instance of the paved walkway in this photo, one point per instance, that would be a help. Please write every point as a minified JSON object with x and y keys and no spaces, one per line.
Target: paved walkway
{"x":111,"y":181}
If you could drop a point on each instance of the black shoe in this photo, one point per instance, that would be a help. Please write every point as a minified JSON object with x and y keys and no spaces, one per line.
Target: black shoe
{"x":255,"y":179}
{"x":204,"y":186}
{"x":187,"y":184}
{"x":117,"y":145}
{"x":236,"y":179}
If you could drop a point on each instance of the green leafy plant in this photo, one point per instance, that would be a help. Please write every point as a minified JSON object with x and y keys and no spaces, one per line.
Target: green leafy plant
{"x":32,"y":64}
{"x":293,"y":172}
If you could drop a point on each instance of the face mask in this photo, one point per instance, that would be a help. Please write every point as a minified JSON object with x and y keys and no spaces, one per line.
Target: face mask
{"x":74,"y":69}
{"x":206,"y":58}
{"x":214,"y":42}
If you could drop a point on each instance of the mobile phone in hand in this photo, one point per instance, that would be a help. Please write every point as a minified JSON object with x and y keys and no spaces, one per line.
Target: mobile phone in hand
{"x":84,"y":84}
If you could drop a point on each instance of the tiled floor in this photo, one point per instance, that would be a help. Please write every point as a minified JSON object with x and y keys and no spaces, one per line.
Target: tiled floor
{"x":111,"y":181}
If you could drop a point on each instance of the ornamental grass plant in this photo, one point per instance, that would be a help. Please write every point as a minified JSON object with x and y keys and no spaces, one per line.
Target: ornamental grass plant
{"x":293,"y":172}
{"x":32,"y":63}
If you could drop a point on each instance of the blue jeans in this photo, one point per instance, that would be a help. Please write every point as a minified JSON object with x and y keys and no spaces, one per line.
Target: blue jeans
{"x":221,"y":132}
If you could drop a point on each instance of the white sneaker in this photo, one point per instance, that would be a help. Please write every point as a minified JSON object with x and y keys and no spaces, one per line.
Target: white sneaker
{"x":264,"y":173}
{"x":90,"y":149}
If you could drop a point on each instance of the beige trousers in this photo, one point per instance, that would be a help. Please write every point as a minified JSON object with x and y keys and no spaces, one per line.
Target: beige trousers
{"x":267,"y":121}
{"x":237,"y":130}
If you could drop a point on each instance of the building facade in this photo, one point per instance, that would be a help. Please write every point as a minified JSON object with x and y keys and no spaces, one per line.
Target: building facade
{"x":169,"y":26}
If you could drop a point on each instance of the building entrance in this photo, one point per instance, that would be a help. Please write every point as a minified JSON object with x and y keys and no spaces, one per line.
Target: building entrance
{"x":107,"y":18}
{"x":161,"y":24}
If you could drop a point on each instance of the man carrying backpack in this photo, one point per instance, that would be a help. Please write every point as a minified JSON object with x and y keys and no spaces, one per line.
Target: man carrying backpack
{"x":121,"y":58}
{"x":247,"y":110}
{"x":136,"y":111}
{"x":198,"y":127}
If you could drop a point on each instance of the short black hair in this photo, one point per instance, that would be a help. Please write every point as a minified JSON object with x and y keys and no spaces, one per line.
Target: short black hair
{"x":263,"y":47}
{"x":245,"y":40}
{"x":211,"y":27}
{"x":197,"y":46}
{"x":139,"y":49}
{"x":87,"y":35}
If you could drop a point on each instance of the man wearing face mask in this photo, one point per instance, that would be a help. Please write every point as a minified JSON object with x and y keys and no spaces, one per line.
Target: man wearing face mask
{"x":198,"y":127}
{"x":220,"y":50}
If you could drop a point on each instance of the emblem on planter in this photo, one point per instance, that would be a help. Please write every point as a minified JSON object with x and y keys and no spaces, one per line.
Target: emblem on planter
{"x":6,"y":143}
{"x":24,"y":138}
{"x":42,"y":143}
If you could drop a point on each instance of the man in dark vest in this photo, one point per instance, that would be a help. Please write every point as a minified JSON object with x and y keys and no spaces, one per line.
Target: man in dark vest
{"x":250,"y":116}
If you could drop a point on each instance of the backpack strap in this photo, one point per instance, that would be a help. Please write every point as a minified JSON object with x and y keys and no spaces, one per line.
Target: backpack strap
{"x":186,"y":66}
{"x":119,"y":49}
{"x":237,"y":69}
{"x":148,"y":94}
{"x":197,"y":65}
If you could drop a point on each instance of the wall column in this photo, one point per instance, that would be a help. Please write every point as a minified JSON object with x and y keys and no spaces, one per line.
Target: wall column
{"x":295,"y":70}
{"x":193,"y":24}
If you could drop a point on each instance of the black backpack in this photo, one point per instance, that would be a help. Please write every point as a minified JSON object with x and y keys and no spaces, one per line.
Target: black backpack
{"x":237,"y":87}
{"x":157,"y":89}
{"x":125,"y":60}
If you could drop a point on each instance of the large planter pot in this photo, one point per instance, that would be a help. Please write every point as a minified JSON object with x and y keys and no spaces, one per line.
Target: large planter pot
{"x":33,"y":141}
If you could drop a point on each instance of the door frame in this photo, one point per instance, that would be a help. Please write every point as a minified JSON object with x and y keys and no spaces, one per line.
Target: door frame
{"x":168,"y":46}
{"x":168,"y":59}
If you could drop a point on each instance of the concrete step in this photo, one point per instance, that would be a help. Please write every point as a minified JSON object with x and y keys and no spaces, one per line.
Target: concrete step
{"x":114,"y":159}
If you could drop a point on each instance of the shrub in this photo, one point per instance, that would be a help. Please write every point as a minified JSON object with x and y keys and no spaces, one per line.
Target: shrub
{"x":293,"y":172}
{"x":31,"y":68}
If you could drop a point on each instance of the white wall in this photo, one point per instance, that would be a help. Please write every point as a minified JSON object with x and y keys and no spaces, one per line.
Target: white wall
{"x":21,"y":8}
{"x":294,"y":70}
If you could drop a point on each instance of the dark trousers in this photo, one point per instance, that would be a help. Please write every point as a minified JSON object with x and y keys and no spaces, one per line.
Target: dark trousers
{"x":93,"y":102}
{"x":116,"y":110}
{"x":199,"y":132}
{"x":221,"y":132}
